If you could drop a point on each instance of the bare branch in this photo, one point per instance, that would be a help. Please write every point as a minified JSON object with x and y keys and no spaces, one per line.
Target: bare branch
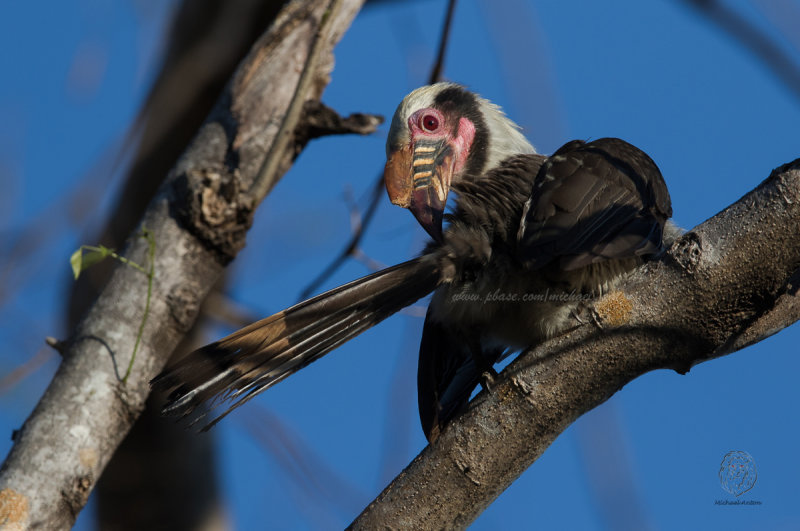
{"x":8,"y":381}
{"x":320,"y":120}
{"x":783,"y":14}
{"x":223,"y":309}
{"x":726,"y":284}
{"x":352,"y":247}
{"x":760,"y":44}
{"x":302,"y":466}
{"x":438,"y":66}
{"x":353,"y":244}
{"x":198,"y":218}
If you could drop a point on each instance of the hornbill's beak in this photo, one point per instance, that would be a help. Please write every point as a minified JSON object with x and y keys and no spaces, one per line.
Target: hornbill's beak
{"x":418,"y":178}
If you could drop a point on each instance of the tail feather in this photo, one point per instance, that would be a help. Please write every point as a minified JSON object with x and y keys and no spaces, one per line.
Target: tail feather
{"x":265,"y":381}
{"x":253,"y":359}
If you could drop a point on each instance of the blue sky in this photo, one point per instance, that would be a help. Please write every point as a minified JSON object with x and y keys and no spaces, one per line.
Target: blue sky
{"x":710,"y":114}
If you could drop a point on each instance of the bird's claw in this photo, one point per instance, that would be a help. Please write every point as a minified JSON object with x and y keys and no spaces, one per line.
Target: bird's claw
{"x":577,"y":316}
{"x":596,"y":318}
{"x":488,"y":378}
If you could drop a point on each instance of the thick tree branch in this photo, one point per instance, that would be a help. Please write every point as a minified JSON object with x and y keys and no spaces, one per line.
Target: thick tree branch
{"x":206,"y":42}
{"x":199,"y":218}
{"x":728,"y":283}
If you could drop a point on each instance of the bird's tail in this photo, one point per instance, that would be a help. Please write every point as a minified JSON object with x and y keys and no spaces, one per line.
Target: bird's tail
{"x":238,"y":367}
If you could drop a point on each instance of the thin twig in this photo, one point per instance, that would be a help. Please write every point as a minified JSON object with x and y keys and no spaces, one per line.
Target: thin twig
{"x":8,"y":381}
{"x":753,"y":39}
{"x":438,"y":66}
{"x":299,"y":462}
{"x":113,"y":254}
{"x":224,"y":310}
{"x":267,"y":174}
{"x":370,"y":263}
{"x":151,"y":258}
{"x":352,"y":245}
{"x":56,"y":344}
{"x":349,"y":250}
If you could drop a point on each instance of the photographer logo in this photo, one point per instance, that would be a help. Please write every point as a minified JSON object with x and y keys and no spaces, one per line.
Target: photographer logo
{"x":737,"y":472}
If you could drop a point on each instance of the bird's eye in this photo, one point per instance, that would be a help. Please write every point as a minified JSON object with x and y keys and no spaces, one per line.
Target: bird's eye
{"x":429,"y":123}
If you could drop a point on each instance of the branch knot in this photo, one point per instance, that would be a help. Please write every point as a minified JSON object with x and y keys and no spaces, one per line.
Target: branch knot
{"x":215,"y":209}
{"x":687,"y":252}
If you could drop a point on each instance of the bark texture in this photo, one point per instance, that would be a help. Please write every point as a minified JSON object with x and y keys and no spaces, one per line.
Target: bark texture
{"x":199,"y":217}
{"x":163,"y":476}
{"x":728,"y":283}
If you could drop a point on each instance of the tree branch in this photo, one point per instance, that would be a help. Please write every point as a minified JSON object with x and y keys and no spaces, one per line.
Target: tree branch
{"x":760,"y":43}
{"x":728,"y":283}
{"x":199,"y":218}
{"x":206,"y":41}
{"x":352,"y":246}
{"x":438,"y":65}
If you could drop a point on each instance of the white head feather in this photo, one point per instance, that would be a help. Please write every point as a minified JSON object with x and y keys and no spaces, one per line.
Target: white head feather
{"x":505,"y":137}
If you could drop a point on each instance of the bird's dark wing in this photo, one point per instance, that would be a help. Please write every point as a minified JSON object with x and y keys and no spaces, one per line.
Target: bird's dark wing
{"x":447,"y":374}
{"x":592,"y":202}
{"x":247,"y":362}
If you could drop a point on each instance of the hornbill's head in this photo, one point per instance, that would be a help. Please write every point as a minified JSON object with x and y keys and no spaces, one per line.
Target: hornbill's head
{"x":442,"y":134}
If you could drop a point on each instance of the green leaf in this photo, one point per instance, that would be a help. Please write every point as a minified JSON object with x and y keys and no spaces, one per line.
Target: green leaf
{"x":75,"y":261}
{"x":87,"y":256}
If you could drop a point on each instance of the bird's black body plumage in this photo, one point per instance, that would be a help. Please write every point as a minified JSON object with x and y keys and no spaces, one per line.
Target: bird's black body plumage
{"x":564,"y":227}
{"x":529,"y":227}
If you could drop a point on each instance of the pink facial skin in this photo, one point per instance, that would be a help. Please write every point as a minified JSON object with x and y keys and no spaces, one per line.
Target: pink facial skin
{"x":419,"y":125}
{"x":462,"y":143}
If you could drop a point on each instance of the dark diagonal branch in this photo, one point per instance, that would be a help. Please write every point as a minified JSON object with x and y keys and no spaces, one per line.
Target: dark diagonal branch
{"x":355,"y":240}
{"x":747,"y":33}
{"x":352,"y":246}
{"x":728,"y":283}
{"x":438,"y":66}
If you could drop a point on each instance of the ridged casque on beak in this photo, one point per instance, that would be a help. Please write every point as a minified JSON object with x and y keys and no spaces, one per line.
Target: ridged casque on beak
{"x":418,"y":177}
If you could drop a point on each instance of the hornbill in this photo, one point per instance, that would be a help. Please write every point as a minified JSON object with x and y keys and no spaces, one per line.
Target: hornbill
{"x":528,"y":238}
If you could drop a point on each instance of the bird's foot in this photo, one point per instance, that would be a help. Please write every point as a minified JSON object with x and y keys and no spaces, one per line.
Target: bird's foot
{"x":593,"y":315}
{"x":488,"y":378}
{"x":576,"y":315}
{"x":596,"y":318}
